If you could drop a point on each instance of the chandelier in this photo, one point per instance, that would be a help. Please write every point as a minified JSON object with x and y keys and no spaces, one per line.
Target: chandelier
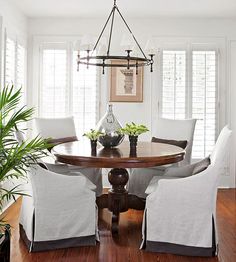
{"x":126,"y":61}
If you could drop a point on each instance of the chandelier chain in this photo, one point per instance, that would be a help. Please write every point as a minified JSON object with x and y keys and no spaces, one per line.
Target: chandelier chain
{"x":111,"y":29}
{"x":103,"y":29}
{"x":131,"y":32}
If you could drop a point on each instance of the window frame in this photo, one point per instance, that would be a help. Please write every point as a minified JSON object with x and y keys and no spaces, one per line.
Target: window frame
{"x":190,"y":44}
{"x":71,"y":45}
{"x":17,"y":42}
{"x":161,"y":80}
{"x":43,"y":47}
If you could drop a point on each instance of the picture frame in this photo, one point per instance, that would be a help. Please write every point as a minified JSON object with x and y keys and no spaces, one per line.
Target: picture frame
{"x":126,"y":85}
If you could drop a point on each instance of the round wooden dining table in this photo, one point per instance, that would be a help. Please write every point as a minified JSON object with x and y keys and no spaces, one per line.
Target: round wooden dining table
{"x":148,"y":154}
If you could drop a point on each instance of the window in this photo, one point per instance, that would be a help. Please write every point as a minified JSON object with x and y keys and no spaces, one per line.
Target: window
{"x":174,"y":79}
{"x":84,"y":95}
{"x":10,"y":58}
{"x":204,"y":101}
{"x":189,"y":91}
{"x":54,"y":92}
{"x":65,"y":91}
{"x":15,"y":66}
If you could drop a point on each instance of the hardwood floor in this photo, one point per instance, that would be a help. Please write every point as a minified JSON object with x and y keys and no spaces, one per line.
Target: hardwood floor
{"x":125,"y":247}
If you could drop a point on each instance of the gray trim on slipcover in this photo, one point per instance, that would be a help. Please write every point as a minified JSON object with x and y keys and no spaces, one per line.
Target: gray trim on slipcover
{"x":163,"y":247}
{"x":176,"y":249}
{"x":56,"y":244}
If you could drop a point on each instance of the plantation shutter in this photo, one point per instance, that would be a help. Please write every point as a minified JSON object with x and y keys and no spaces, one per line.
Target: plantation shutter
{"x":204,"y":101}
{"x":65,"y":91}
{"x":20,"y":81}
{"x":15,"y":67}
{"x":85,"y":95}
{"x":197,"y":100}
{"x":173,"y":84}
{"x":53,"y":92}
{"x":10,"y":62}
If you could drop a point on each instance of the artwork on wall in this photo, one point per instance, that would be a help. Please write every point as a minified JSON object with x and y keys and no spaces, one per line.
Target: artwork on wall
{"x":126,"y":85}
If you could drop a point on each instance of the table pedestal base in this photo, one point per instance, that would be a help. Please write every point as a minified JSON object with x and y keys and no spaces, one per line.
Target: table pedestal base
{"x":118,"y":200}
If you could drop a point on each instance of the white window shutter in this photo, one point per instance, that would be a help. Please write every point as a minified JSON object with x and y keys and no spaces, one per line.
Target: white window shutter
{"x":53,"y":92}
{"x":204,"y":101}
{"x":15,"y":66}
{"x":65,"y":91}
{"x":85,"y":95}
{"x":200,"y":100}
{"x":20,"y":66}
{"x":173,"y":84}
{"x":10,"y":62}
{"x":20,"y":81}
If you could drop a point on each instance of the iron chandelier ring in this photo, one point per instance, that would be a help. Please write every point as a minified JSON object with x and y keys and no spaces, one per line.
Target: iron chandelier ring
{"x":133,"y":61}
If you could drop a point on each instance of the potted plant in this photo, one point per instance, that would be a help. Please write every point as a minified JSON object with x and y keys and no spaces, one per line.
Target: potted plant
{"x":93,"y":136}
{"x":133,"y":131}
{"x":15,"y":157}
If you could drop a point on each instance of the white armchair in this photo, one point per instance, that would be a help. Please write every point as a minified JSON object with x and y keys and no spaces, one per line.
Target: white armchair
{"x":63,"y":130}
{"x":166,"y":129}
{"x":56,"y":128}
{"x":180,"y":215}
{"x":177,"y":130}
{"x":61,"y":212}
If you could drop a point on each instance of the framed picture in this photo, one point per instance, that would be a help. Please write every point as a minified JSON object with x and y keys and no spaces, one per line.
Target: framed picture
{"x":126,"y":86}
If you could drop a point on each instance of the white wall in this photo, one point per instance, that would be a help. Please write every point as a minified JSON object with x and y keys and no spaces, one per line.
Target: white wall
{"x":222,"y":30}
{"x":13,"y":19}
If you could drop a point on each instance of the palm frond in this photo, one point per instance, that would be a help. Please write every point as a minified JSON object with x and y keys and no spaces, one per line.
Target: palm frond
{"x":15,"y":158}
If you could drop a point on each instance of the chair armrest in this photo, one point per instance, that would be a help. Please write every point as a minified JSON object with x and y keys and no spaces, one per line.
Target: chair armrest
{"x":190,"y":191}
{"x":51,"y":189}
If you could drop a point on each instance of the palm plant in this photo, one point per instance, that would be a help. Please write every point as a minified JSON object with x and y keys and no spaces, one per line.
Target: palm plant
{"x":15,"y":157}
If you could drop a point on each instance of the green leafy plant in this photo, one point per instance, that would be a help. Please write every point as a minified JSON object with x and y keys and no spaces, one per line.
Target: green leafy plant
{"x":93,"y":134}
{"x":133,"y":129}
{"x":15,"y":157}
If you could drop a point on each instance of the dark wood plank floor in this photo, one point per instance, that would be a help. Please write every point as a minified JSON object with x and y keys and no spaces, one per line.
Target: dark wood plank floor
{"x":125,"y":247}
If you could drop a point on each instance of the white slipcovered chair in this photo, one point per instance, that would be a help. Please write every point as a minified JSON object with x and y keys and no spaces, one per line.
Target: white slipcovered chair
{"x":177,"y":130}
{"x":180,"y":214}
{"x":57,"y":128}
{"x":61,"y":212}
{"x":170,"y":130}
{"x":61,"y":130}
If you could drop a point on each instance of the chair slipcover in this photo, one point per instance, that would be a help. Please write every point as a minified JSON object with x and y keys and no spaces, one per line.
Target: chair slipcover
{"x":180,"y":214}
{"x":19,"y":136}
{"x":177,"y":130}
{"x":166,"y":129}
{"x":61,"y":212}
{"x":59,"y":128}
{"x":55,"y":127}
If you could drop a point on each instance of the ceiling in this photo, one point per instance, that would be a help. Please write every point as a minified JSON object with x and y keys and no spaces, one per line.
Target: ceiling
{"x":130,"y":8}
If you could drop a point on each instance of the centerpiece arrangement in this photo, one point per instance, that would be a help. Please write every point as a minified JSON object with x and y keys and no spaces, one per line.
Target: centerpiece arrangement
{"x":109,"y":126}
{"x":133,"y":131}
{"x":114,"y":136}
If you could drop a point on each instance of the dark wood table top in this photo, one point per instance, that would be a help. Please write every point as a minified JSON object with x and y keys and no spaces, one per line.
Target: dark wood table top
{"x":148,"y":155}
